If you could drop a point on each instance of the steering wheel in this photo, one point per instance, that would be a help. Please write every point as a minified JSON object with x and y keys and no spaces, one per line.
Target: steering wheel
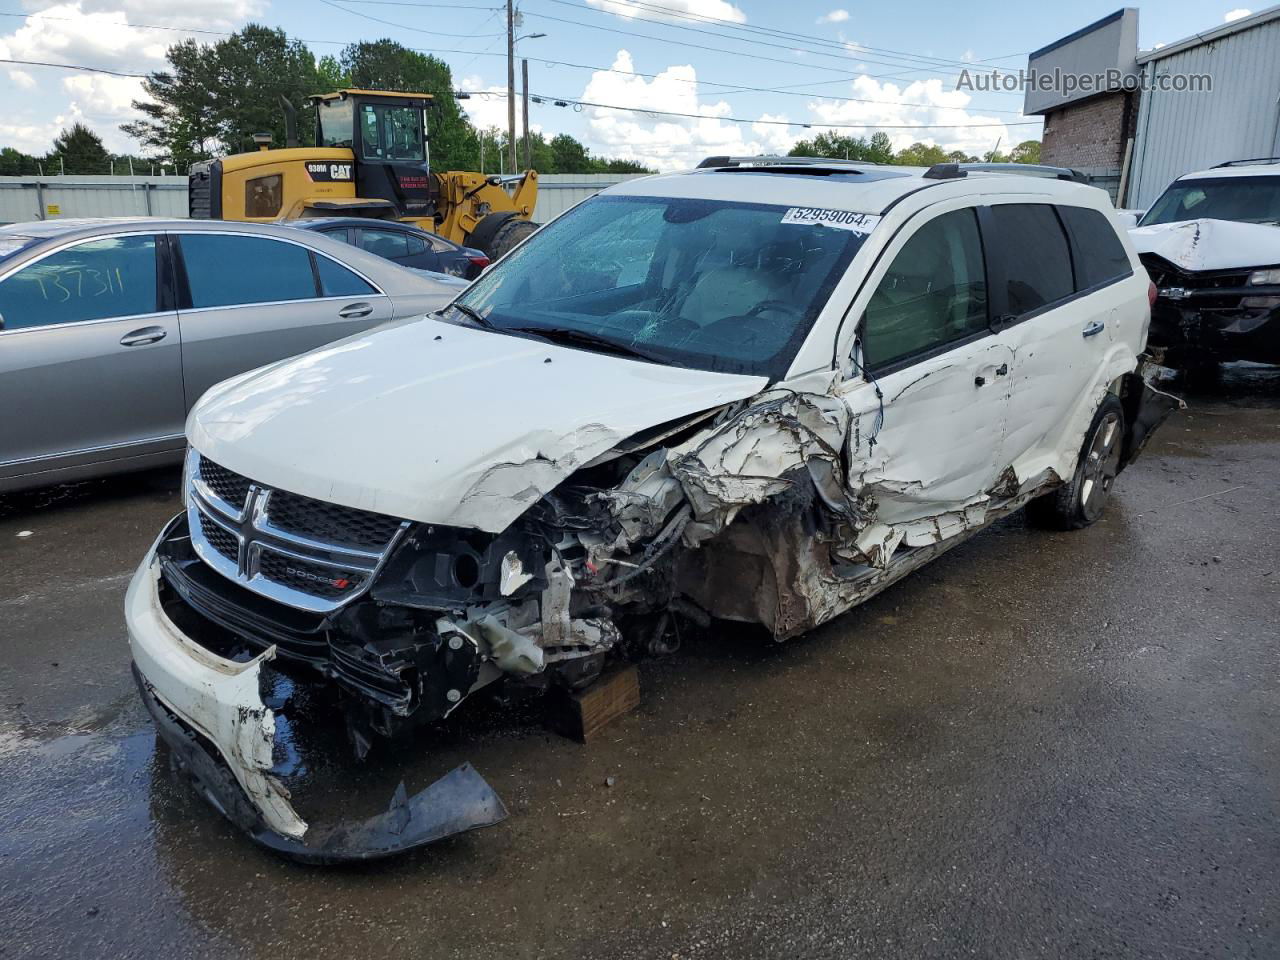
{"x":764,"y":305}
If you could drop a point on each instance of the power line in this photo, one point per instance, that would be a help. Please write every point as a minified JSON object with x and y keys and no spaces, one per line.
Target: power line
{"x":734,"y":87}
{"x":401,"y":26}
{"x":72,"y":66}
{"x":576,"y":103}
{"x":668,"y":40}
{"x":749,"y":28}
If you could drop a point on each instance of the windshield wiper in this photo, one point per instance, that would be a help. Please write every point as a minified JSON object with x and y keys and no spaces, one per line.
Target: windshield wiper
{"x":474,"y":315}
{"x":585,"y":338}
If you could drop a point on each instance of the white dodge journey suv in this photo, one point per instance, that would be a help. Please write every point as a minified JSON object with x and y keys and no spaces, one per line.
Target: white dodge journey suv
{"x":759,"y":391}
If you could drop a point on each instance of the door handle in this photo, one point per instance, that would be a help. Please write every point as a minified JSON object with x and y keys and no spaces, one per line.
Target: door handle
{"x":1095,"y":328}
{"x":142,"y":336}
{"x":355,"y":311}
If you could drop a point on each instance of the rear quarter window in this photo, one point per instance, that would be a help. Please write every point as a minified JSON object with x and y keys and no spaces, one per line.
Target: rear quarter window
{"x":1036,"y":256}
{"x":1098,"y":254}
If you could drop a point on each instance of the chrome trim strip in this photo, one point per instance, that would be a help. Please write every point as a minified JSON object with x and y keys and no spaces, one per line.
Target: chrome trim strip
{"x":83,"y":450}
{"x":255,"y":537}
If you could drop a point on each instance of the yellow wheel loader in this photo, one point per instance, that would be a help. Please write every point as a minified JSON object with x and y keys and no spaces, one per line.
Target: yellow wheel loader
{"x":371,"y":160}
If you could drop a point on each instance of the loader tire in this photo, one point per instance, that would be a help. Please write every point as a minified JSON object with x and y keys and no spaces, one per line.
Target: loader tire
{"x":507,"y":236}
{"x":1080,"y":501}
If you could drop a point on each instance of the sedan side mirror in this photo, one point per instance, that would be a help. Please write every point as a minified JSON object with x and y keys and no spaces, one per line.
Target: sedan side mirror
{"x":1129,"y":218}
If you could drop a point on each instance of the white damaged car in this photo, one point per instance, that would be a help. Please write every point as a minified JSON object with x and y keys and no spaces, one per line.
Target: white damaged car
{"x":1211,"y":244}
{"x":759,"y":391}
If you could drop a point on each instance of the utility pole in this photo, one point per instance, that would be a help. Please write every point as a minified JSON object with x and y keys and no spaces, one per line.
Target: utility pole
{"x":524,"y":106}
{"x":511,"y":82}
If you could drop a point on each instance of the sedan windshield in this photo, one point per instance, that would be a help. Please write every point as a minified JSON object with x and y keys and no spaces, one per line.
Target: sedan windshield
{"x":1246,"y":199}
{"x":714,"y":285}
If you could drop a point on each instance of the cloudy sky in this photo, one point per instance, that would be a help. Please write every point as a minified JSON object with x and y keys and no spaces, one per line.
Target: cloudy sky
{"x":751,"y":76}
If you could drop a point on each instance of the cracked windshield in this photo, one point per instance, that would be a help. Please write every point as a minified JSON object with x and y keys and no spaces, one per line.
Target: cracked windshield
{"x":713,"y":285}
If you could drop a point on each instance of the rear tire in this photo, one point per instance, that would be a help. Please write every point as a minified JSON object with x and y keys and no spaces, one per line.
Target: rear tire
{"x":1081,"y":501}
{"x":507,"y":236}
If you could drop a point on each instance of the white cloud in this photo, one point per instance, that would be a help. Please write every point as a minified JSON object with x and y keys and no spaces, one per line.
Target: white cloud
{"x":670,"y":142}
{"x":67,"y":33}
{"x":921,"y":102}
{"x":835,"y":16}
{"x":96,"y":33}
{"x":631,"y":9}
{"x":1237,"y":14}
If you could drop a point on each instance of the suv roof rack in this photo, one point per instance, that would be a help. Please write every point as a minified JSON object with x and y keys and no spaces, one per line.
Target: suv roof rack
{"x":1248,"y":162}
{"x":773,"y":160}
{"x":953,"y":171}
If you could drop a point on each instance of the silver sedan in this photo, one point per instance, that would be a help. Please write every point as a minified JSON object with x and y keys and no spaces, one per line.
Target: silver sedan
{"x":110,"y":330}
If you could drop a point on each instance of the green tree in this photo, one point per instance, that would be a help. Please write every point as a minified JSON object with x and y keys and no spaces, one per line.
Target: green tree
{"x":386,"y":65}
{"x":330,"y":75}
{"x":959,"y":156}
{"x":78,"y":150}
{"x":1028,"y":151}
{"x":15,"y":163}
{"x":569,"y":156}
{"x":921,"y":155}
{"x":214,"y":98}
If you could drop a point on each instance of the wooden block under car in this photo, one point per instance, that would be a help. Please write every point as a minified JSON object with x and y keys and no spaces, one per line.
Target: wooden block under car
{"x":583,"y":714}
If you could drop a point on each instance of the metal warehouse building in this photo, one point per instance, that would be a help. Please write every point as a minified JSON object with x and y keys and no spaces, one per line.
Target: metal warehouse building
{"x":1136,"y":131}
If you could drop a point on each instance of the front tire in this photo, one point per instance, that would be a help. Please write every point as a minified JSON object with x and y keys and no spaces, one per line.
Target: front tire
{"x":1081,"y":501}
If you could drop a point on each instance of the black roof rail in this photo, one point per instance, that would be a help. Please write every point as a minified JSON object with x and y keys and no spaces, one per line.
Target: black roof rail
{"x":773,"y":160}
{"x":1245,"y":163}
{"x":952,"y":171}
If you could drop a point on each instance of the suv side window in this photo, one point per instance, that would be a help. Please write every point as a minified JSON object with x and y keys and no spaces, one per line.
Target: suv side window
{"x":1097,"y":252}
{"x":1036,"y":257}
{"x":95,"y":280}
{"x":225,"y":270}
{"x":934,"y":292}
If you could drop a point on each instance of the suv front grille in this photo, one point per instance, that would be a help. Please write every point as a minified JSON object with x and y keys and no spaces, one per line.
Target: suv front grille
{"x":318,"y":520}
{"x":224,"y":484}
{"x":308,"y":554}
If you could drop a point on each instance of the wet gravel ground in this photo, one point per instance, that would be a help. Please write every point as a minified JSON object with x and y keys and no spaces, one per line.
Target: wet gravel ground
{"x":1058,"y":745}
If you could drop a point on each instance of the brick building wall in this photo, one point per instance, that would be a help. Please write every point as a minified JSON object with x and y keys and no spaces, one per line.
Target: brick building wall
{"x":1091,"y":133}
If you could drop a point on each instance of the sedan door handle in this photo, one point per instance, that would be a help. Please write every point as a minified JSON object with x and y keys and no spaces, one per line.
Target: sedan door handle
{"x":355,"y":311}
{"x":1095,"y":328}
{"x":143,"y":335}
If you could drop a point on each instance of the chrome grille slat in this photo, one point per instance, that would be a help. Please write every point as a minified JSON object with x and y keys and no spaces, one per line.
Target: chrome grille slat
{"x":310,"y":554}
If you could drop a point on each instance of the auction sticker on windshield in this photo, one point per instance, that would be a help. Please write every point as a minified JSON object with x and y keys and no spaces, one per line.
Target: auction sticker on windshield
{"x":840,"y":219}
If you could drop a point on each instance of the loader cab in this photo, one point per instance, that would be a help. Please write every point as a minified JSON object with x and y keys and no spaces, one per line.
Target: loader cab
{"x":387,"y":133}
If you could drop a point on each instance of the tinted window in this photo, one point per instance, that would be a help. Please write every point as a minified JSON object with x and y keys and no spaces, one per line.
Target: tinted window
{"x":385,"y":243}
{"x":338,"y":233}
{"x":935,"y":292}
{"x":263,"y":196}
{"x":1035,"y":254}
{"x":416,"y":245}
{"x":337,"y":281}
{"x":113,"y":277}
{"x":226,"y":270}
{"x":1098,"y":254}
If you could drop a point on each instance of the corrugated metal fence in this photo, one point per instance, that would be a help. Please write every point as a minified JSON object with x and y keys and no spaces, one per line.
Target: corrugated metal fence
{"x":40,"y":198}
{"x":1179,"y":132}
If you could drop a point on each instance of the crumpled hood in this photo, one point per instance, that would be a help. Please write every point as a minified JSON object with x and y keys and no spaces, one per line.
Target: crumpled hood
{"x":1210,"y":244}
{"x":439,"y":423}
